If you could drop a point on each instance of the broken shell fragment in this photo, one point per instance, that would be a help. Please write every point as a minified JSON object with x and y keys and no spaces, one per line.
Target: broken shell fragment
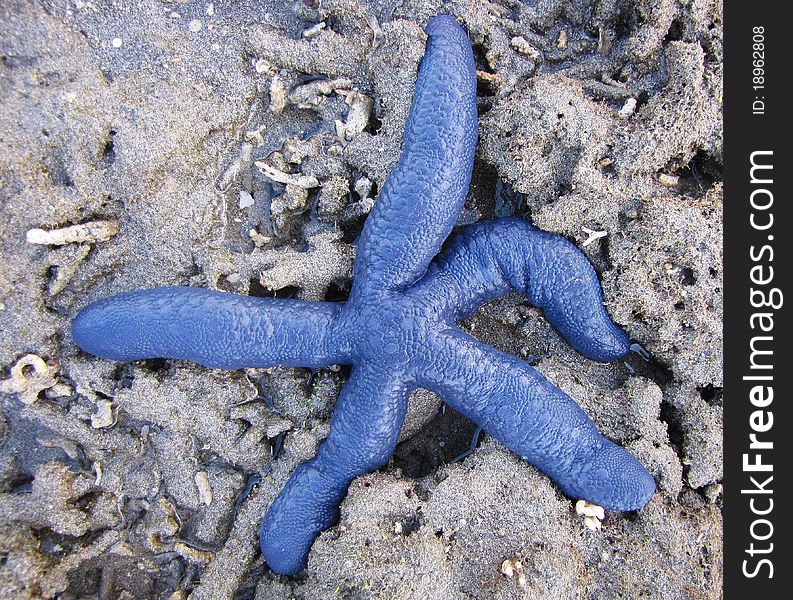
{"x":204,"y":488}
{"x":89,"y":233}
{"x":522,"y":46}
{"x":310,"y":94}
{"x":358,"y":115}
{"x":277,"y":94}
{"x":592,"y":523}
{"x":561,"y":41}
{"x":511,"y":567}
{"x":314,"y":30}
{"x":297,"y":180}
{"x":582,"y":507}
{"x":104,"y":414}
{"x":627,"y":109}
{"x":29,"y":376}
{"x":592,"y":513}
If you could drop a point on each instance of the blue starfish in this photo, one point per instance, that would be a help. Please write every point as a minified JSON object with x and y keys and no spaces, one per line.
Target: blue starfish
{"x":398,"y":328}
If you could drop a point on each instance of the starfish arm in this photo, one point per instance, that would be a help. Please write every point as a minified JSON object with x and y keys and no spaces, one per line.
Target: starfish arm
{"x":487,"y":260}
{"x":423,"y":195}
{"x":214,"y":329}
{"x":533,"y":418}
{"x":363,"y":434}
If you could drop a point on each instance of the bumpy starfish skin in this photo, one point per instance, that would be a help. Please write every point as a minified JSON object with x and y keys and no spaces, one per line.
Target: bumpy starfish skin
{"x":398,"y":328}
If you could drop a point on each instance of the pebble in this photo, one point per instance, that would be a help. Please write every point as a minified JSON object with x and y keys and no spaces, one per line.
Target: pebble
{"x":667,"y":180}
{"x":246,"y":200}
{"x":195,"y":25}
{"x":116,"y":43}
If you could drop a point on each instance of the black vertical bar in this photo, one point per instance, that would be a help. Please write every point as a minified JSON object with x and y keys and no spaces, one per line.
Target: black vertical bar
{"x":757,"y":120}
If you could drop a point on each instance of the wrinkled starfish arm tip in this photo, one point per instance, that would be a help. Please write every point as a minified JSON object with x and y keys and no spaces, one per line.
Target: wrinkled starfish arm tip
{"x":424,"y":193}
{"x":214,"y":329}
{"x":523,"y":410}
{"x":363,"y":435}
{"x":487,"y":260}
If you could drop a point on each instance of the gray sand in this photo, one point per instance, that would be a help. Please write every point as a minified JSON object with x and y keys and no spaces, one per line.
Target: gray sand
{"x":600,"y":121}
